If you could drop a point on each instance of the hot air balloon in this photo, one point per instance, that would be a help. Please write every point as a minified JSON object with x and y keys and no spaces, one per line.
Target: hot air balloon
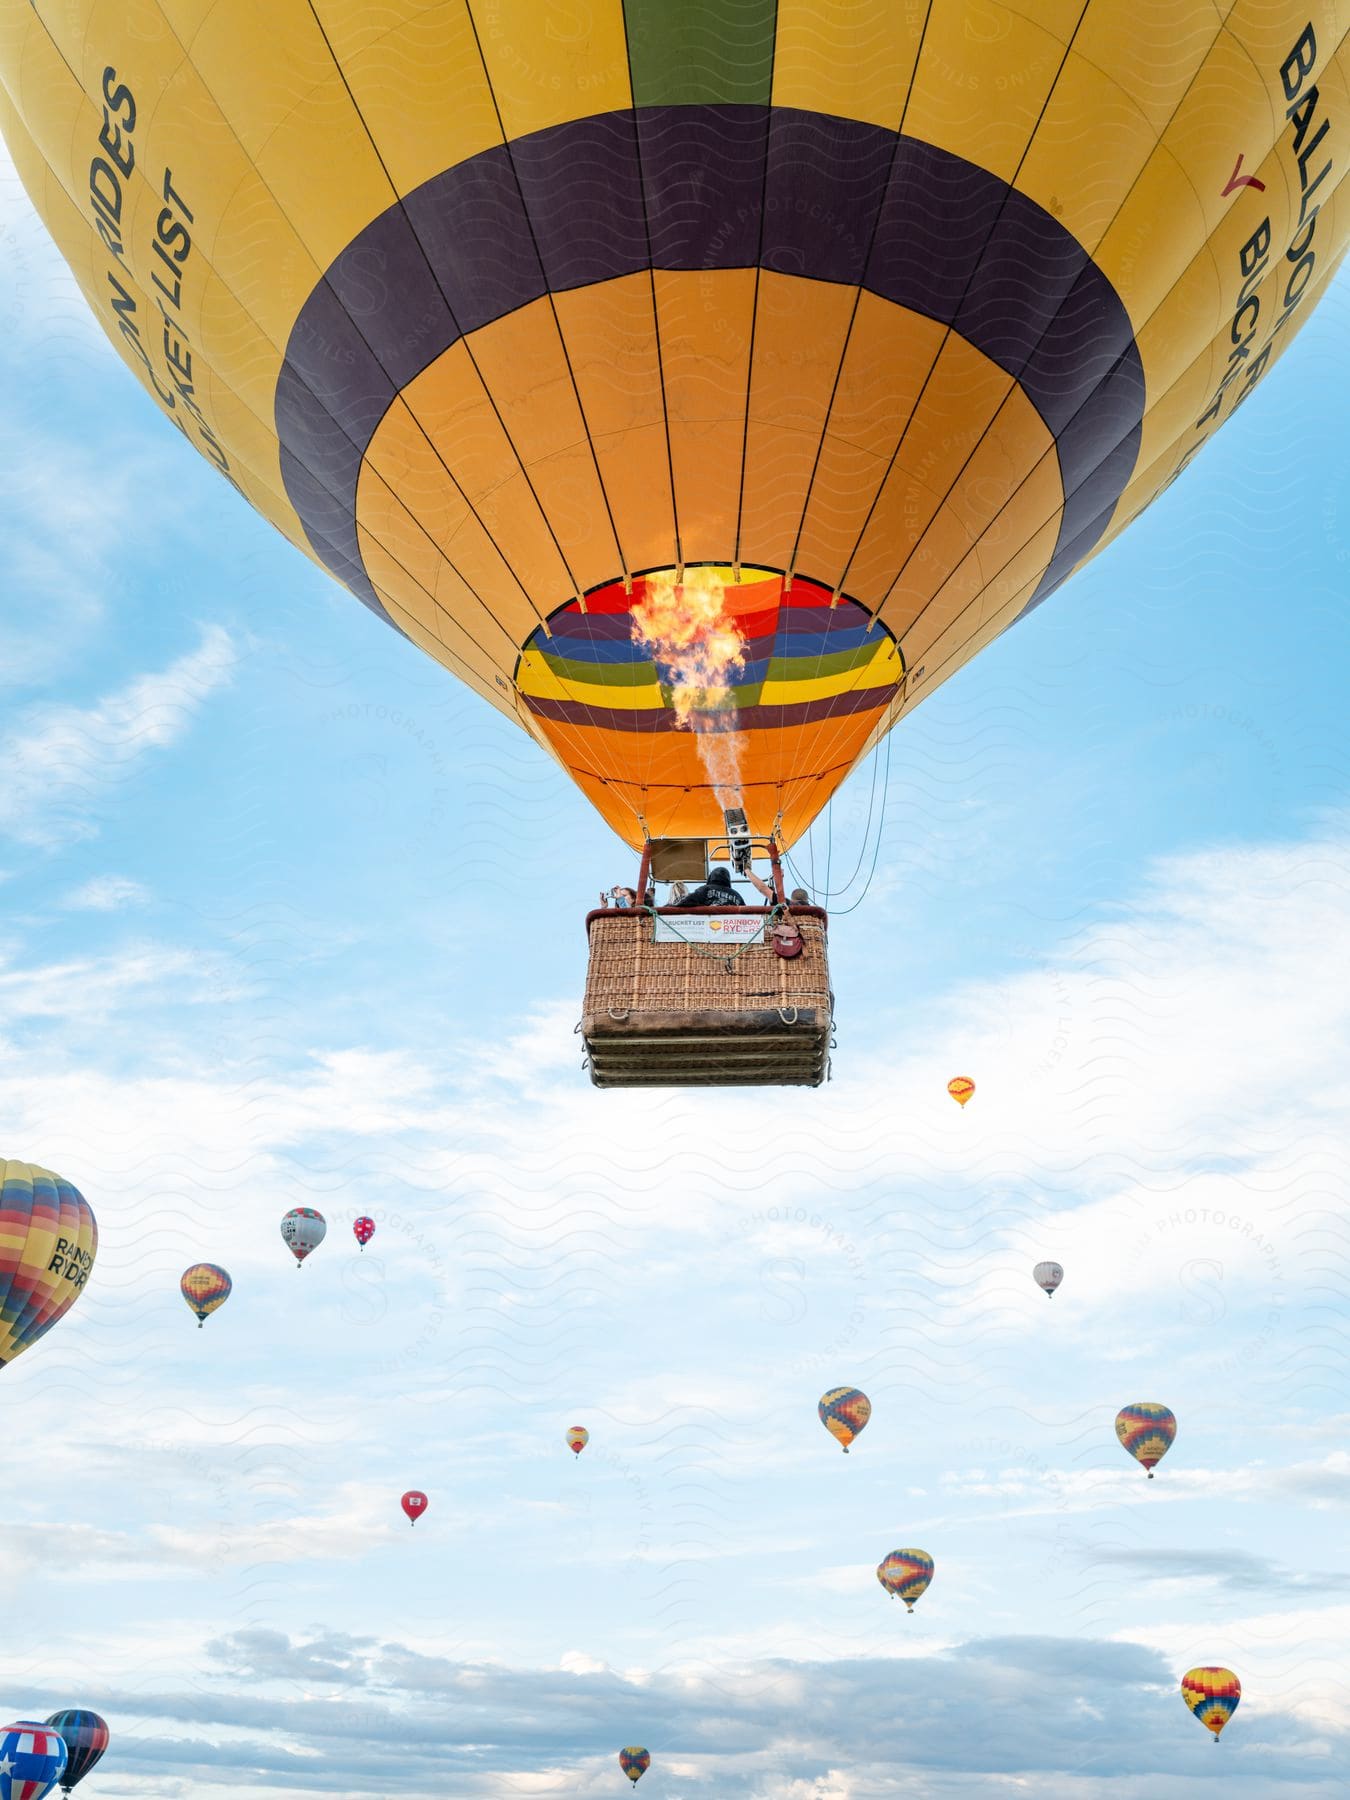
{"x":1212,"y":1695}
{"x":577,"y":1438}
{"x":32,"y":1760}
{"x":702,"y":398}
{"x":48,"y":1242}
{"x":844,"y":1412}
{"x":961,"y":1087}
{"x":1147,"y":1431}
{"x":635,"y":1762}
{"x":304,"y":1230}
{"x":414,"y":1503}
{"x":86,"y":1738}
{"x":906,"y":1574}
{"x":1048,"y":1275}
{"x":205,"y":1286}
{"x":364,"y":1230}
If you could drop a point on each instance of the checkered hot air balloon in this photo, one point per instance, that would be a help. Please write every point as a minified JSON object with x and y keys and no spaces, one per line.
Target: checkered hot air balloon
{"x":304,"y":1230}
{"x":843,"y":1412}
{"x":905,"y":1574}
{"x":86,"y":1738}
{"x":577,"y":1439}
{"x":48,"y":1242}
{"x":364,"y":1231}
{"x":635,"y":1762}
{"x":205,"y":1286}
{"x":1212,"y":1695}
{"x":32,"y":1760}
{"x":1147,"y":1431}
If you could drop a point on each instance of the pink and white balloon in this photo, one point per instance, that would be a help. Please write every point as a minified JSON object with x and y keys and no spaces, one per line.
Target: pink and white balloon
{"x":304,"y":1230}
{"x":1048,"y":1275}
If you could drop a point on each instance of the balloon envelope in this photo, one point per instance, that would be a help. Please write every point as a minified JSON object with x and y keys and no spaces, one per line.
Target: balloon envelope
{"x":205,"y":1286}
{"x":48,"y":1242}
{"x":86,"y":1738}
{"x":577,"y":1438}
{"x":1212,"y":1693}
{"x":1147,"y":1431}
{"x":414,"y":1503}
{"x":634,"y":1761}
{"x":844,"y":1411}
{"x":364,"y":1230}
{"x":32,"y":1760}
{"x":905,"y":1574}
{"x":1048,"y":1275}
{"x":960,"y":1087}
{"x":654,"y":296}
{"x":304,"y":1230}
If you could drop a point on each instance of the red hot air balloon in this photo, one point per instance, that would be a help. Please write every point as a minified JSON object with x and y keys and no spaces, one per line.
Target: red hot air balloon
{"x":414,"y":1503}
{"x":364,"y":1230}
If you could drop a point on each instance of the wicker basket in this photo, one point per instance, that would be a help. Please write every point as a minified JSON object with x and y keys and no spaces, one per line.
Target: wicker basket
{"x":693,"y":1015}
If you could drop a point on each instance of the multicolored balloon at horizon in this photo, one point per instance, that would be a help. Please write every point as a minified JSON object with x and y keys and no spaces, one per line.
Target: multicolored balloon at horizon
{"x":205,"y":1286}
{"x":1047,"y":1275}
{"x":1147,"y":1430}
{"x":304,"y":1230}
{"x":1212,"y":1693}
{"x":364,"y":1231}
{"x":577,"y":1439}
{"x":892,"y":321}
{"x":48,"y":1242}
{"x":414,"y":1504}
{"x":844,"y":1412}
{"x":635,"y":1762}
{"x":86,"y":1738}
{"x":32,"y":1760}
{"x":905,"y":1575}
{"x":961,"y":1087}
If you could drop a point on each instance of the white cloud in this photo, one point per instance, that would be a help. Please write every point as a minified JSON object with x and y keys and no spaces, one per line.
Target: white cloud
{"x":62,"y":761}
{"x":107,"y":893}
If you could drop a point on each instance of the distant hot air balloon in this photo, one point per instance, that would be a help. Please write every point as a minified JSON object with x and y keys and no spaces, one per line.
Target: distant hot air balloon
{"x":1212,"y":1695}
{"x":205,"y":1286}
{"x":635,"y":1762}
{"x":844,"y":1412}
{"x":960,"y":1087}
{"x":32,"y":1760}
{"x":1048,"y":1275}
{"x":364,"y":1230}
{"x":906,"y":1574}
{"x":86,"y":1738}
{"x":48,"y":1242}
{"x":916,"y":316}
{"x":304,"y":1230}
{"x":414,"y":1503}
{"x":1147,"y":1431}
{"x":577,"y":1438}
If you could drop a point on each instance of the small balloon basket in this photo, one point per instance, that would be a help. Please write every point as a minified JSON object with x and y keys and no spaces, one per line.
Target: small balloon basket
{"x":700,"y":998}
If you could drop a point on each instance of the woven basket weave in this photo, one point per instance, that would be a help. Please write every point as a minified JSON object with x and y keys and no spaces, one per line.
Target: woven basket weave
{"x":630,"y":975}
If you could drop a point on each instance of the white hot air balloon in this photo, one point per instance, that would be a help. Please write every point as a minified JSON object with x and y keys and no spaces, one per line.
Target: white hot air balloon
{"x":1048,"y":1275}
{"x":304,"y":1230}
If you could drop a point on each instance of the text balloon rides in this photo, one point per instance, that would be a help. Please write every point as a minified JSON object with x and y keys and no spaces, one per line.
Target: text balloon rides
{"x":1147,"y":1430}
{"x":205,"y":1286}
{"x":414,"y":1503}
{"x":304,"y":1230}
{"x":48,"y":1242}
{"x":844,"y":1412}
{"x":364,"y":1230}
{"x":905,"y":1574}
{"x":1212,"y":1695}
{"x":635,"y":1762}
{"x":86,"y":1738}
{"x":1048,"y":1275}
{"x":32,"y":1760}
{"x":893,"y":366}
{"x":577,"y":1439}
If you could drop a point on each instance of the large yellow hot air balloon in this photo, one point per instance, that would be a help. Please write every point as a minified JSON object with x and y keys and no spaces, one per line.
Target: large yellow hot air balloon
{"x":703,"y":385}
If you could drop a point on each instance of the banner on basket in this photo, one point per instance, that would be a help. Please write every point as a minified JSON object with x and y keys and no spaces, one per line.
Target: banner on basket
{"x":704,"y":928}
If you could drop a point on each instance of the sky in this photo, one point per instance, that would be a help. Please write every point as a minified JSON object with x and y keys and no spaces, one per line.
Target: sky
{"x":287,"y":918}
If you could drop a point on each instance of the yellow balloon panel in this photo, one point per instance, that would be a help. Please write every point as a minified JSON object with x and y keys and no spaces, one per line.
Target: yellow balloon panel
{"x":517,"y":317}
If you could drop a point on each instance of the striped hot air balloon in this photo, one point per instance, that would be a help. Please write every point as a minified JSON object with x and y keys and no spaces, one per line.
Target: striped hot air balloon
{"x":577,"y":1438}
{"x":905,"y":1575}
{"x":205,"y":1286}
{"x":844,"y":1412}
{"x":1147,"y":1431}
{"x":48,"y":1242}
{"x":86,"y":1738}
{"x":1212,"y":1694}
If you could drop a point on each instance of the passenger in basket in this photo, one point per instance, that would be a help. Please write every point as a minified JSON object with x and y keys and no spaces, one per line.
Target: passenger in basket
{"x":764,"y":887}
{"x":715,"y":891}
{"x":799,"y":897}
{"x":625,"y":897}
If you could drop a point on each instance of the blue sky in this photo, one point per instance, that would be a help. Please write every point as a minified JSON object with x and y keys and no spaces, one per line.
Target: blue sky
{"x":289,"y":919}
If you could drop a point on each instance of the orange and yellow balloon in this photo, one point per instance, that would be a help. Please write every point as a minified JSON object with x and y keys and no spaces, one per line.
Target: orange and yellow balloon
{"x":905,"y":1575}
{"x":844,"y":1412}
{"x":1147,"y":1430}
{"x":846,"y":329}
{"x":48,"y":1242}
{"x":1212,"y":1693}
{"x":961,"y":1087}
{"x":205,"y":1286}
{"x":577,"y":1439}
